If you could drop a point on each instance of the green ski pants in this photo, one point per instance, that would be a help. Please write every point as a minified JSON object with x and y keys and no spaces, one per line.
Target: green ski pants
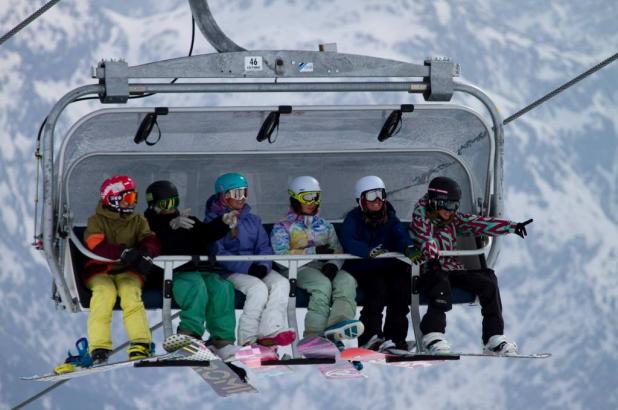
{"x":205,"y":297}
{"x":329,"y":302}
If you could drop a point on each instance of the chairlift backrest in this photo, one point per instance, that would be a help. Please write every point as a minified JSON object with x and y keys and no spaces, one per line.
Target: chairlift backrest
{"x":337,"y":145}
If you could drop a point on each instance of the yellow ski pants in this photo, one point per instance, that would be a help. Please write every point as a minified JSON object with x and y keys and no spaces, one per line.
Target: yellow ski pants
{"x":105,"y":289}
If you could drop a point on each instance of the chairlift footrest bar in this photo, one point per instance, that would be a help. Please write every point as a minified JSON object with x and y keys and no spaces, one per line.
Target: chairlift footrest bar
{"x":174,"y":363}
{"x":421,"y":357}
{"x":299,"y":361}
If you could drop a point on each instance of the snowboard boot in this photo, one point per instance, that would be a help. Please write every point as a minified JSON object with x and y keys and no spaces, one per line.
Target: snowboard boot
{"x":391,"y":348}
{"x":435,"y":342}
{"x":139,"y":351}
{"x":281,"y":338}
{"x":357,"y":365}
{"x":346,"y":329}
{"x":100,"y":356}
{"x":374,"y":343}
{"x":181,"y":339}
{"x":498,"y":344}
{"x":225,"y":349}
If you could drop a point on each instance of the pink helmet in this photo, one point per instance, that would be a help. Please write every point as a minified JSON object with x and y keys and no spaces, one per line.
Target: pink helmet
{"x":117,"y":188}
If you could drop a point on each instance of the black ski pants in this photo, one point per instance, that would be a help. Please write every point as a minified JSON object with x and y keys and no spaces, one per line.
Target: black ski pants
{"x":385,"y":283}
{"x":436,"y":285}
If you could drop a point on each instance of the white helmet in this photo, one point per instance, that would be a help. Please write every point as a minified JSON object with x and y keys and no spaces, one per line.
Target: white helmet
{"x":367,"y":184}
{"x":303,"y":184}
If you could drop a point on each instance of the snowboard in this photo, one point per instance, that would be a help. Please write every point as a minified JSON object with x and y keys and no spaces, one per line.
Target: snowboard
{"x":190,"y":355}
{"x":260,"y":359}
{"x":315,"y":347}
{"x":425,"y":358}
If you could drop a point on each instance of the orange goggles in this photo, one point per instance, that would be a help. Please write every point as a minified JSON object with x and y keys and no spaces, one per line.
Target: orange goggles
{"x":129,"y":197}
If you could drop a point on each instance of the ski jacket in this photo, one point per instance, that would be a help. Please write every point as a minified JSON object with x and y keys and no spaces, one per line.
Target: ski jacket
{"x":430,"y":237}
{"x":199,"y":240}
{"x":249,"y":238}
{"x":359,"y":238}
{"x":109,"y":233}
{"x":300,"y":234}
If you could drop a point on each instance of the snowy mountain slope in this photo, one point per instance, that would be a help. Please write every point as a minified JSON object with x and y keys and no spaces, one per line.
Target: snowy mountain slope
{"x":561,"y":168}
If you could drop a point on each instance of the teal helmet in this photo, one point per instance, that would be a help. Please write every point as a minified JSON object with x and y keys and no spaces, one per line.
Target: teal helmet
{"x":228,"y":181}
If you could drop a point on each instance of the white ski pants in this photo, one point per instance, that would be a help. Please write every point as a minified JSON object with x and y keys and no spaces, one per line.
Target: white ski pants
{"x":265,"y":310}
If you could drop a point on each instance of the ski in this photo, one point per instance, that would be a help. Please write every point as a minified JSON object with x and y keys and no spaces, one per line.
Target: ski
{"x":505,"y":356}
{"x":315,"y":347}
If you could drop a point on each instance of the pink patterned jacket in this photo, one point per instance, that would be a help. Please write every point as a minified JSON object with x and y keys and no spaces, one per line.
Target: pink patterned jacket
{"x":431,"y":238}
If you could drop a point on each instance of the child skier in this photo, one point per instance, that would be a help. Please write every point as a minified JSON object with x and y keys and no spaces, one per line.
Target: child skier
{"x":263,"y":319}
{"x":203,"y":296}
{"x":435,"y":225}
{"x":369,"y":230}
{"x":115,"y":231}
{"x":332,"y":302}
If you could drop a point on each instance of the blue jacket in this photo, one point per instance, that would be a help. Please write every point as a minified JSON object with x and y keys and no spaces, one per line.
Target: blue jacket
{"x":358,"y":238}
{"x":251,"y":237}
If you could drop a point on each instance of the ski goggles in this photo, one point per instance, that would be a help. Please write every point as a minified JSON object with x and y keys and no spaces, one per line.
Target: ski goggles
{"x":168,"y":203}
{"x":375,"y":194}
{"x":237,"y":193}
{"x":307,"y":198}
{"x":446,"y":204}
{"x":129,"y":197}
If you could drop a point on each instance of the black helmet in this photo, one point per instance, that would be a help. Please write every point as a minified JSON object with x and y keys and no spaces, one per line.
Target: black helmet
{"x":444,"y":188}
{"x":162,"y":194}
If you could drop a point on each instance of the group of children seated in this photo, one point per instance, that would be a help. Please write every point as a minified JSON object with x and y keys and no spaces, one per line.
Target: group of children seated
{"x":206,"y":298}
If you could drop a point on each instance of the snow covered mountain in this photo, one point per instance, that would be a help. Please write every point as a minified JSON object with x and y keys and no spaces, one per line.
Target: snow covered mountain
{"x":560,"y":285}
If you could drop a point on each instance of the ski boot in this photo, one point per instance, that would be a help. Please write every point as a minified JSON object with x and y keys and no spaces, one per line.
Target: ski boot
{"x":391,"y":348}
{"x":346,"y":329}
{"x":498,"y":344}
{"x":138,"y":351}
{"x":281,"y":338}
{"x":357,"y":365}
{"x":81,"y":359}
{"x":435,"y":342}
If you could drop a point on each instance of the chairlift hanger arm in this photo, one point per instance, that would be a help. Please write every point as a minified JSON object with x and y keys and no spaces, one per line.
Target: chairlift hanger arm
{"x":436,"y":74}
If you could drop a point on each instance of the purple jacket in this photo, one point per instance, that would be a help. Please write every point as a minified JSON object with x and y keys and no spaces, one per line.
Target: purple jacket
{"x":251,"y":237}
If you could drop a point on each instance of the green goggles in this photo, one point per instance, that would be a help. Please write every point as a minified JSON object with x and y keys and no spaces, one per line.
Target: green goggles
{"x":168,"y":203}
{"x":306,"y":198}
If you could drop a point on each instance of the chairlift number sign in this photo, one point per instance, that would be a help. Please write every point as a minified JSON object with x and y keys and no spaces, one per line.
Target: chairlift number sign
{"x":253,"y":63}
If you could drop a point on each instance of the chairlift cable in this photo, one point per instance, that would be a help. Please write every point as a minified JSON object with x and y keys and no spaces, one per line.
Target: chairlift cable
{"x":560,"y":89}
{"x":59,"y":383}
{"x":29,"y":20}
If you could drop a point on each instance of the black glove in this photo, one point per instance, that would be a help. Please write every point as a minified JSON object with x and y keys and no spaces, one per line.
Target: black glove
{"x":330,"y":270}
{"x":130,"y":256}
{"x":140,"y":260}
{"x":257,"y":270}
{"x":377,"y":251}
{"x":324,"y":250}
{"x":414,"y":254}
{"x":433,"y":265}
{"x":520,"y":228}
{"x":144,"y":264}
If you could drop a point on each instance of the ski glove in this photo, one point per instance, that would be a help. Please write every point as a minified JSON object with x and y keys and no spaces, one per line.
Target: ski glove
{"x":330,"y":270}
{"x":414,"y":254}
{"x":324,"y":250}
{"x":377,"y":251}
{"x":230,"y":219}
{"x":520,"y":228}
{"x":434,"y":265}
{"x":140,"y":260}
{"x":182,"y":221}
{"x":257,"y":270}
